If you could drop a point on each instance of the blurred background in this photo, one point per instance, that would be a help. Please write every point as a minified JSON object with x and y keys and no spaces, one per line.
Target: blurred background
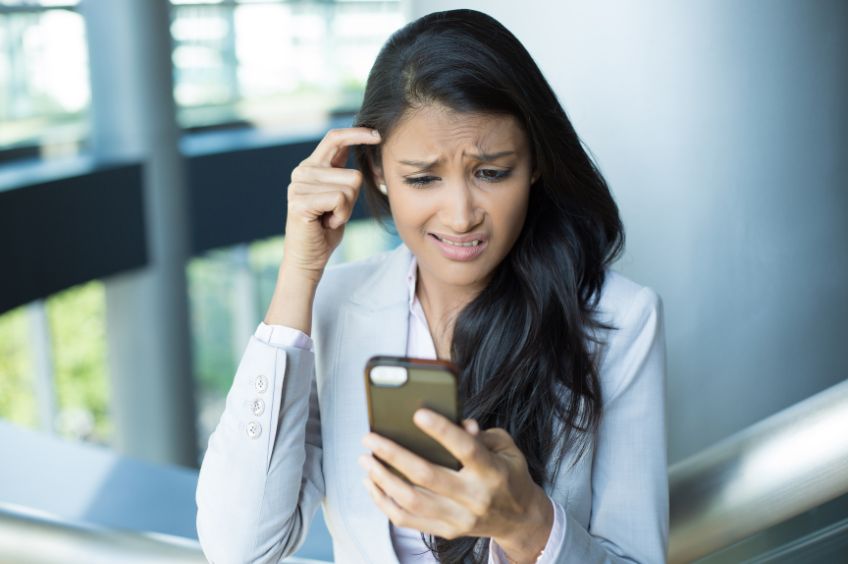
{"x":145,"y":147}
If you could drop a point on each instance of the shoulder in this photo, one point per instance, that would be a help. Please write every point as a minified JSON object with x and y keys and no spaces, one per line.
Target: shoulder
{"x":635,"y":336}
{"x":622,"y":298}
{"x":624,"y":303}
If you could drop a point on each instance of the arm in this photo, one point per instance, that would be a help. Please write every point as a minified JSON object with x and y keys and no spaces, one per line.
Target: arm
{"x":629,"y":521}
{"x":261,"y":481}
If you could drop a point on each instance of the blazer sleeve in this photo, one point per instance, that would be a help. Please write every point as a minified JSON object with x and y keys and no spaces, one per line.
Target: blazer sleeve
{"x":629,"y":517}
{"x":261,"y":481}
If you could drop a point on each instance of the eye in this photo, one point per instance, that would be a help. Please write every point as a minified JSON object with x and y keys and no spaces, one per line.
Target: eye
{"x":419,"y":180}
{"x":492,"y":175}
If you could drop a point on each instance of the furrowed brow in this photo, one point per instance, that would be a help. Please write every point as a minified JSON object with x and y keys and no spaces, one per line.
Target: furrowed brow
{"x":489,"y":157}
{"x":423,"y":165}
{"x":482,"y":157}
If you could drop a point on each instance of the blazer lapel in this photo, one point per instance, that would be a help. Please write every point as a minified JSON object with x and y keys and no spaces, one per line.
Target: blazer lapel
{"x":373,"y":322}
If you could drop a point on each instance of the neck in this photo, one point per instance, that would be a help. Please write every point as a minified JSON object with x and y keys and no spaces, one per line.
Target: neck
{"x":442,"y":303}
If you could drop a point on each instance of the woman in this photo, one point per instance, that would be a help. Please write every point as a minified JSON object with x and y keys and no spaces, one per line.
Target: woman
{"x":508,"y":231}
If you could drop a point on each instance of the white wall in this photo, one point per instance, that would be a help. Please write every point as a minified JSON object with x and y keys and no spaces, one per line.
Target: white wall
{"x":722,"y":129}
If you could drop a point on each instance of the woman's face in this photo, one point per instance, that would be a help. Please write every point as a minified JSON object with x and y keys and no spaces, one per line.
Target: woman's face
{"x":458,"y":176}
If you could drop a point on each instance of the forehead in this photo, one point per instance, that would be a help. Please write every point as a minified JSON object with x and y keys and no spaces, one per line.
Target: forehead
{"x":435,"y":130}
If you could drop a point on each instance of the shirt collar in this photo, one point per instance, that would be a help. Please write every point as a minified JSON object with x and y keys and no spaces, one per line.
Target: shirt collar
{"x":411,"y":278}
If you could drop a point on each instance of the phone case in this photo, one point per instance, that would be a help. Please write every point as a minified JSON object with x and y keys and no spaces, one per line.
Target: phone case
{"x":392,"y":401}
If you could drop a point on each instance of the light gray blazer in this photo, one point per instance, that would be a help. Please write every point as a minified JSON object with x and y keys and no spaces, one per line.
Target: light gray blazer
{"x":270,"y":464}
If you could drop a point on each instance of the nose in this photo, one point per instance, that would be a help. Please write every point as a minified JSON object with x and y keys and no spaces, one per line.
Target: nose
{"x":460,"y":210}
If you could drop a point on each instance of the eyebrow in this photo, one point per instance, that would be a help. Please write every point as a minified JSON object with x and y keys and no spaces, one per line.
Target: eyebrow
{"x":482,"y":157}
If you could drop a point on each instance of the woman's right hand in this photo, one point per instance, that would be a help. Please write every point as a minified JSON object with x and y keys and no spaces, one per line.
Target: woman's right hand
{"x":320,"y":202}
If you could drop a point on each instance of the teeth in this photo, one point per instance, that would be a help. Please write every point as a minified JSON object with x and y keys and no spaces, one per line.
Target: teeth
{"x":468,"y":244}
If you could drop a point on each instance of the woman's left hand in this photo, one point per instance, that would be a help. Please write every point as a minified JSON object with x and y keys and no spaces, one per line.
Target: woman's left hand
{"x":492,"y":495}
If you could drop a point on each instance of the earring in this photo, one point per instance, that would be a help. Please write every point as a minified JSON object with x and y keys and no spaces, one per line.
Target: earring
{"x":383,"y":189}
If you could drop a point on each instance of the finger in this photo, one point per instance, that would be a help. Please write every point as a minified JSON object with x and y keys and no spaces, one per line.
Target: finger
{"x":334,"y":203}
{"x":336,"y":139}
{"x":340,"y":158}
{"x":385,"y":503}
{"x":459,"y":442}
{"x":324,"y":175}
{"x":306,"y":190}
{"x":409,"y":497}
{"x":403,"y":518}
{"x":419,"y":471}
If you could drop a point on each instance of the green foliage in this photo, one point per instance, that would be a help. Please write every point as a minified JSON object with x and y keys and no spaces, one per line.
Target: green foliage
{"x":78,"y":341}
{"x":17,"y":397}
{"x":210,"y":284}
{"x":78,"y":331}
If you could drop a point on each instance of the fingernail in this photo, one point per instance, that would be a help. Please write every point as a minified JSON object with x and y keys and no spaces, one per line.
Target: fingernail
{"x":375,"y":133}
{"x":424,"y":417}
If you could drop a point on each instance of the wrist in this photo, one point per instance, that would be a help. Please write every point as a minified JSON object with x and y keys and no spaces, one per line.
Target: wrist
{"x":527,"y":539}
{"x":289,"y":274}
{"x":291,"y":304}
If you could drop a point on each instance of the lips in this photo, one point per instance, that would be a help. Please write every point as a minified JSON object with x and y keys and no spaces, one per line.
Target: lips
{"x":460,"y":251}
{"x":460,"y":240}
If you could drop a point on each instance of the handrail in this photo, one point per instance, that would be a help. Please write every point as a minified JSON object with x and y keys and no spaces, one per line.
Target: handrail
{"x":36,"y":537}
{"x":789,"y":463}
{"x":776,"y":469}
{"x":33,"y":536}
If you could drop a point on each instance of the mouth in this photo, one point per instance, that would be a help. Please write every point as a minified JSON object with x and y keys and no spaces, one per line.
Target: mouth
{"x":472,"y":240}
{"x":467,"y":250}
{"x":473,"y":243}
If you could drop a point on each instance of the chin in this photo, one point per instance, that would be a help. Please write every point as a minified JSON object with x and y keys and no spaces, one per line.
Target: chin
{"x":460,"y":273}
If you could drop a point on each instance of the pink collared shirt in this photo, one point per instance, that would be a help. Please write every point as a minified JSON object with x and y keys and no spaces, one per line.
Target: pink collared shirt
{"x":408,"y":545}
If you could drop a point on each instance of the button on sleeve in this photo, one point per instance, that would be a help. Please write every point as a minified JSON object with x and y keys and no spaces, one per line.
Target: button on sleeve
{"x":254,"y":429}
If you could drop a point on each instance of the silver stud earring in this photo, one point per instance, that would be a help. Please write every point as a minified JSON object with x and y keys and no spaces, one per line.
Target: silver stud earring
{"x":383,"y":189}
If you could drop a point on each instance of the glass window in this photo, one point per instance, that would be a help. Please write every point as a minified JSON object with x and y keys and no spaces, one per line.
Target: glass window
{"x":274,"y":64}
{"x":44,"y":90}
{"x":62,"y":339}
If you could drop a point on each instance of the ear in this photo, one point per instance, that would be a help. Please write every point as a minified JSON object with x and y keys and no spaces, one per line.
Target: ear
{"x":377,"y":170}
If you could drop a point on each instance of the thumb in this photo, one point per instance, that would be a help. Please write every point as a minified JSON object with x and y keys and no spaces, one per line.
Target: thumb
{"x":497,"y":439}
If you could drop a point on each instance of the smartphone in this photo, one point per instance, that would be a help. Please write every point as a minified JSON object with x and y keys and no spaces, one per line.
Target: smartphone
{"x":397,"y":386}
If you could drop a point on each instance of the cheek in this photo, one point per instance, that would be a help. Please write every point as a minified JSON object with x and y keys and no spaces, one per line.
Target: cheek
{"x":410,"y":209}
{"x":510,"y":213}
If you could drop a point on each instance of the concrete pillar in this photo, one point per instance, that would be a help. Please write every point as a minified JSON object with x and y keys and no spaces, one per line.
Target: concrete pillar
{"x":133,"y":118}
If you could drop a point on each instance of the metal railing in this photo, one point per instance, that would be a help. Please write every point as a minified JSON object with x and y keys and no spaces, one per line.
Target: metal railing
{"x":761,"y":478}
{"x":781,"y":467}
{"x":38,"y":538}
{"x":33,"y":537}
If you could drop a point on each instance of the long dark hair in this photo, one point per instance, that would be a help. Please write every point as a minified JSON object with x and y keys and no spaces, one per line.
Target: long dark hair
{"x":523,"y":344}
